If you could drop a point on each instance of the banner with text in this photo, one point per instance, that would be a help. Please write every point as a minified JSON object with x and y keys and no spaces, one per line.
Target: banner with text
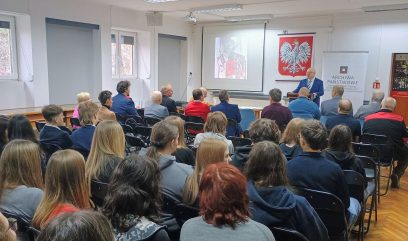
{"x":348,"y":69}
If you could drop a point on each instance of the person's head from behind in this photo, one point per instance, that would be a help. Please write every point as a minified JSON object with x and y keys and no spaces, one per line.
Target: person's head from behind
{"x":177,"y":121}
{"x":108,"y":140}
{"x":216,"y":122}
{"x":223,"y":195}
{"x":313,"y":135}
{"x":7,"y":233}
{"x":266,"y":165}
{"x":291,"y":134}
{"x":204,"y":91}
{"x":377,"y":96}
{"x":337,"y":90}
{"x":389,"y":103}
{"x":223,"y":96}
{"x":340,"y":139}
{"x":167,"y":90}
{"x":164,"y":139}
{"x":78,"y":226}
{"x":19,"y":127}
{"x":275,"y":95}
{"x":304,"y":92}
{"x":198,"y":95}
{"x":3,"y":128}
{"x":264,"y":130}
{"x":345,"y":106}
{"x":87,"y":113}
{"x":156,"y":97}
{"x":133,"y":189}
{"x":123,"y":87}
{"x":83,"y":96}
{"x":105,"y":98}
{"x":20,"y":164}
{"x":64,"y":184}
{"x":53,"y":114}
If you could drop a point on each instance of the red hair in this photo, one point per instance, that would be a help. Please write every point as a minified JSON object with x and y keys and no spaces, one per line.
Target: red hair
{"x":223,"y":195}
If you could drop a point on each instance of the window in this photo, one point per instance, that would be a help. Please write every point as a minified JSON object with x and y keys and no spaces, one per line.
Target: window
{"x":8,"y":56}
{"x":123,"y":49}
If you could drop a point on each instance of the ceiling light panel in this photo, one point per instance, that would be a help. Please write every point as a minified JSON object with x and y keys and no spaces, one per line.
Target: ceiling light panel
{"x":217,"y":8}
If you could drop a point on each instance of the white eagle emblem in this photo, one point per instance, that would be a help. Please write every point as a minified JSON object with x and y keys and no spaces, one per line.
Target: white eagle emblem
{"x":294,"y":57}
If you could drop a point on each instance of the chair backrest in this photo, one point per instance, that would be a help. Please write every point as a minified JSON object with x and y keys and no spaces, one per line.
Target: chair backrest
{"x":98,"y":192}
{"x":384,"y":145}
{"x":135,"y":141}
{"x":134,"y":121}
{"x":140,"y":112}
{"x":194,"y":119}
{"x":39,"y":125}
{"x":120,"y":118}
{"x":127,"y":129}
{"x":194,"y":126}
{"x":184,"y":212}
{"x":330,"y":210}
{"x":364,"y":149}
{"x":150,"y":121}
{"x":143,"y":131}
{"x":285,"y":234}
{"x":136,"y":118}
{"x":49,"y":149}
{"x":247,"y":116}
{"x":74,"y":122}
{"x":369,"y":166}
{"x":356,"y":184}
{"x":178,"y":114}
{"x":238,"y":141}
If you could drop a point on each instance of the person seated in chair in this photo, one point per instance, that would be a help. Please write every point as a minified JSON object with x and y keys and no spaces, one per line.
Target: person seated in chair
{"x":81,"y":97}
{"x":167,"y":101}
{"x":302,"y":107}
{"x":197,"y":107}
{"x":231,"y":111}
{"x":104,"y":112}
{"x":156,"y":110}
{"x":122,"y":103}
{"x":371,"y":108}
{"x":329,"y":107}
{"x":82,"y":137}
{"x":343,"y":118}
{"x":52,"y":132}
{"x":276,"y":111}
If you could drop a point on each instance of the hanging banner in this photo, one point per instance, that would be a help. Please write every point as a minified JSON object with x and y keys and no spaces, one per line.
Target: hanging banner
{"x":349,"y":69}
{"x":295,"y":55}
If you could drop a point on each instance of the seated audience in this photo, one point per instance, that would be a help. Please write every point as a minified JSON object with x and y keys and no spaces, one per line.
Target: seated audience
{"x":107,"y":151}
{"x":3,"y":131}
{"x":344,"y":118}
{"x":164,"y":141}
{"x":78,"y":226}
{"x":167,"y":101}
{"x":312,"y":170}
{"x":197,"y":107}
{"x":209,"y":151}
{"x":259,"y":130}
{"x":155,"y":109}
{"x":52,"y":133}
{"x":65,"y":187}
{"x":304,"y":108}
{"x":276,"y":111}
{"x":81,"y":97}
{"x":82,"y":137}
{"x":21,"y":178}
{"x":371,"y":108}
{"x":132,"y":201}
{"x":19,"y":127}
{"x":122,"y":103}
{"x":231,"y":111}
{"x":224,"y":209}
{"x":215,"y":127}
{"x":183,"y":154}
{"x":205,"y":94}
{"x":392,"y":125}
{"x":272,"y":202}
{"x":290,"y":145}
{"x":330,"y":107}
{"x":104,"y":112}
{"x":340,"y":150}
{"x":7,"y":231}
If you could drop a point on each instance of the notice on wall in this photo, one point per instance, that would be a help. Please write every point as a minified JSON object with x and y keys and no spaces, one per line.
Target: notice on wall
{"x":346,"y":68}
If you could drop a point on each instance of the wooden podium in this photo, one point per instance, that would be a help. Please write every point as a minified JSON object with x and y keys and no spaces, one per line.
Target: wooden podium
{"x":293,"y":96}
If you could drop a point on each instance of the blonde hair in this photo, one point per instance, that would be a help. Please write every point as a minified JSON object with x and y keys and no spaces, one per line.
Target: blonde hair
{"x":64,"y":183}
{"x":83,"y":96}
{"x":177,"y":121}
{"x":292,"y":131}
{"x":20,"y":164}
{"x":209,"y":151}
{"x":108,"y":141}
{"x":216,"y":122}
{"x":87,"y":112}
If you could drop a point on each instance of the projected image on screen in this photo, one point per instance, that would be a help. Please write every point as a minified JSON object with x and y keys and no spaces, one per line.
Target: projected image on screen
{"x":230,"y":58}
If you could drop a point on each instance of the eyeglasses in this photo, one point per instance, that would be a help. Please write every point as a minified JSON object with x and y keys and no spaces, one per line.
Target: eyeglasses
{"x":12,"y":224}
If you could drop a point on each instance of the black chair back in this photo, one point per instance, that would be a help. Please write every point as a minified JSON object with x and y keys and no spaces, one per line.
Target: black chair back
{"x":364,"y":149}
{"x":120,"y":118}
{"x":185,"y":212}
{"x":136,"y":118}
{"x":143,"y":131}
{"x":127,"y":129}
{"x":135,"y":121}
{"x":39,"y":125}
{"x":238,"y":141}
{"x":74,"y":122}
{"x":194,"y":126}
{"x":150,"y":121}
{"x":49,"y":149}
{"x":369,"y":166}
{"x":23,"y":226}
{"x":356,"y":184}
{"x":98,"y":192}
{"x":286,"y":234}
{"x":384,"y":145}
{"x":135,"y":142}
{"x":194,"y":119}
{"x":140,"y":112}
{"x":178,"y":114}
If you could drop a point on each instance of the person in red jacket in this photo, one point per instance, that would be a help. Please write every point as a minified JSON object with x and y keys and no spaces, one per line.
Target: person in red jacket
{"x":197,"y":107}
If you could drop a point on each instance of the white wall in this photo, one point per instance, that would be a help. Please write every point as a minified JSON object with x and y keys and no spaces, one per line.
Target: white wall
{"x":25,"y":93}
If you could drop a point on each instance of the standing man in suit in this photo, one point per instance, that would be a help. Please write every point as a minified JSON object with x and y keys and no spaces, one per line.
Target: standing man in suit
{"x":314,"y":84}
{"x":167,"y":101}
{"x":122,"y":103}
{"x":231,"y":111}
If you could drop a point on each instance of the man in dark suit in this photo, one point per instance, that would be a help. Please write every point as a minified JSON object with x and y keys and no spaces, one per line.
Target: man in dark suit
{"x":343,"y":118}
{"x":231,"y":111}
{"x":314,"y":84}
{"x":52,"y":133}
{"x":275,"y":111}
{"x":167,"y":101}
{"x":122,"y":103}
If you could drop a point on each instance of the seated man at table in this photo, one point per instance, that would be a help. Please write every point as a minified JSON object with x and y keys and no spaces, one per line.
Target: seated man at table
{"x":167,"y":101}
{"x":304,"y":108}
{"x":231,"y":111}
{"x":52,"y":133}
{"x":197,"y":107}
{"x":329,"y":107}
{"x":156,"y":110}
{"x":122,"y":103}
{"x":343,"y":118}
{"x":104,"y":113}
{"x":276,"y":111}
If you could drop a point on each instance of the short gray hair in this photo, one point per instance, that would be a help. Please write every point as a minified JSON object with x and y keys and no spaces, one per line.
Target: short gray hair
{"x":275,"y":94}
{"x":378,"y":96}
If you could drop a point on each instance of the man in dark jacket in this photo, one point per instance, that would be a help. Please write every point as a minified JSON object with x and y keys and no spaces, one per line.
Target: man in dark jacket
{"x":231,"y":111}
{"x":122,"y":103}
{"x":167,"y":101}
{"x":344,"y":109}
{"x":276,"y":111}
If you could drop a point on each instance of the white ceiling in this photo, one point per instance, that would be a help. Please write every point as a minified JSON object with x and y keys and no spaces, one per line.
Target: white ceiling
{"x":279,"y":8}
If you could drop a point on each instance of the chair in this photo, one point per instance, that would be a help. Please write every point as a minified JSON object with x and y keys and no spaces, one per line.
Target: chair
{"x":134,"y":142}
{"x":39,"y":125}
{"x":194,"y":119}
{"x":178,"y":114}
{"x":232,"y":128}
{"x":286,"y":234}
{"x":134,"y":121}
{"x":98,"y":192}
{"x":356,"y":182}
{"x":143,"y":131}
{"x":193,"y":128}
{"x":150,"y":121}
{"x":184,"y":212}
{"x":330,"y":210}
{"x":140,"y":112}
{"x":238,"y":141}
{"x":49,"y":149}
{"x":74,"y":122}
{"x":120,"y":118}
{"x":127,"y":129}
{"x":303,"y":116}
{"x":136,"y":118}
{"x":247,"y":116}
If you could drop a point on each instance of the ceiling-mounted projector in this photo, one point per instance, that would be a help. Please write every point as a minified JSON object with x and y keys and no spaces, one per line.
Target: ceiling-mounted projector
{"x":191,"y":18}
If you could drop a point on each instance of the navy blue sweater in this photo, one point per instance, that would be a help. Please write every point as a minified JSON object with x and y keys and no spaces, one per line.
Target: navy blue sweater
{"x":54,"y":135}
{"x":82,"y":137}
